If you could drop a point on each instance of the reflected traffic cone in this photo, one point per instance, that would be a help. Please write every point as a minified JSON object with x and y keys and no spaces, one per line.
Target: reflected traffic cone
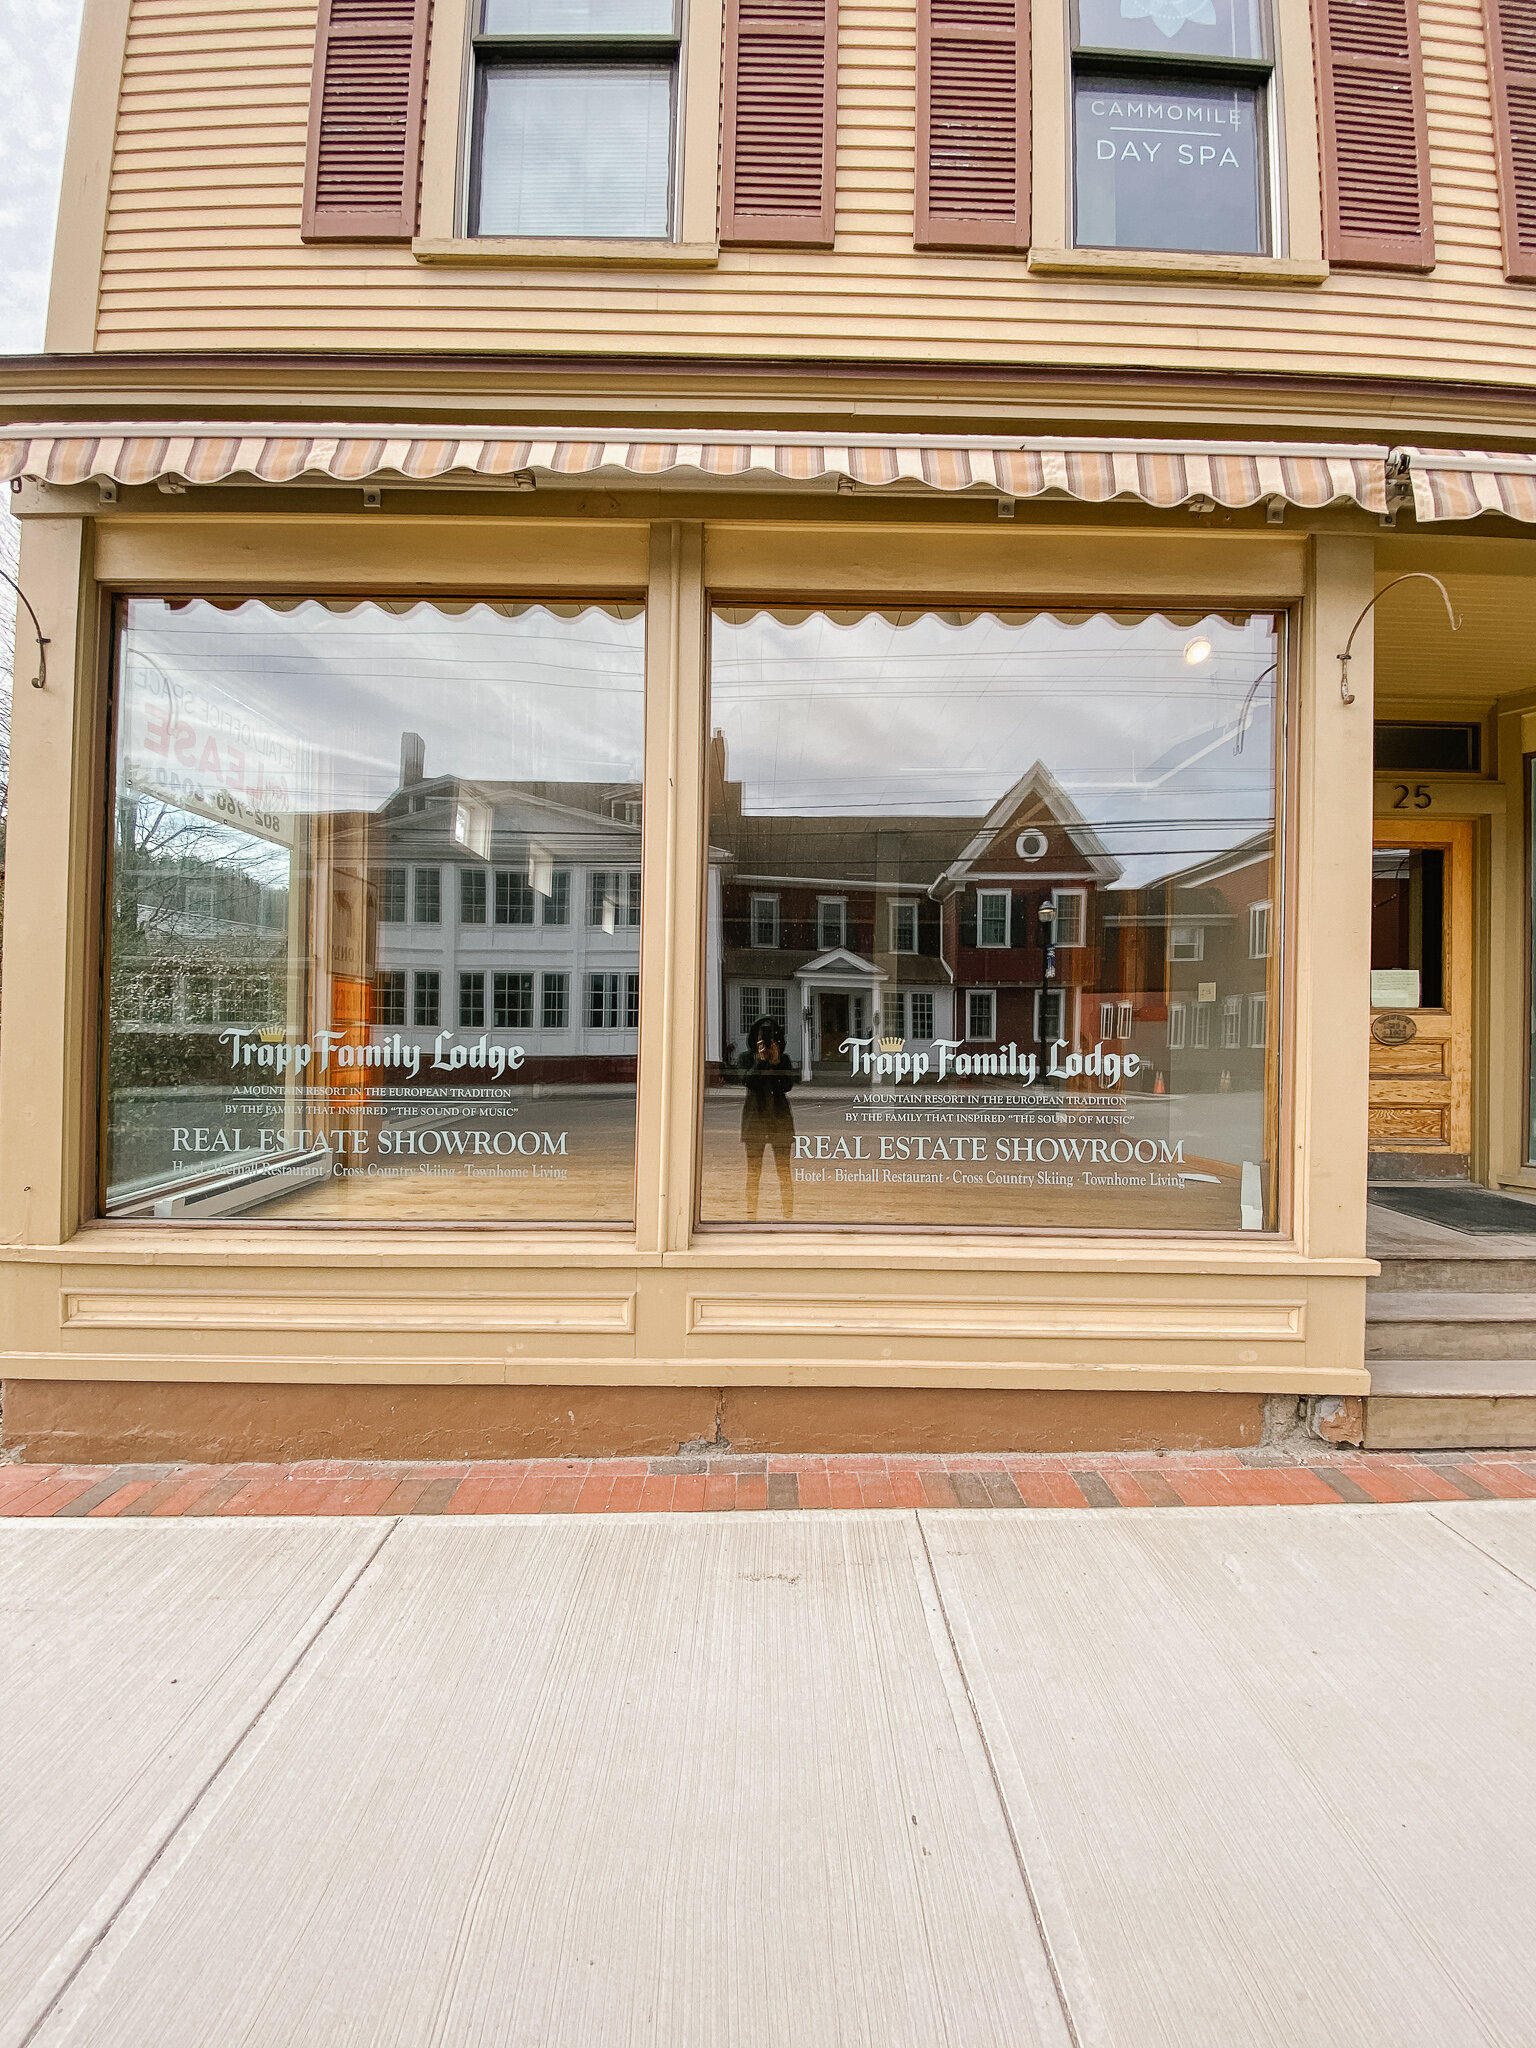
{"x":1157,"y":1085}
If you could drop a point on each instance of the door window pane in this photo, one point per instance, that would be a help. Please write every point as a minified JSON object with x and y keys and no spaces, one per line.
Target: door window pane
{"x":1170,"y":164}
{"x":987,"y":768}
{"x":295,"y":1030}
{"x":575,"y":149}
{"x":1408,"y":927}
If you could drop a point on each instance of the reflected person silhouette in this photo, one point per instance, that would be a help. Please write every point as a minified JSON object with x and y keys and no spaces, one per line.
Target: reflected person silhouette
{"x":767,"y":1121}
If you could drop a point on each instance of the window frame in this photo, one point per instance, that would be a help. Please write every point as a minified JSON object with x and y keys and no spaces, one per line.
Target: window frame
{"x":989,"y":997}
{"x":982,"y":897}
{"x":423,"y":890}
{"x":772,"y":903}
{"x":426,"y":991}
{"x":471,"y":1003}
{"x":910,"y":998}
{"x":840,"y":905}
{"x":618,"y":52}
{"x":1261,"y":919}
{"x":1182,"y":71}
{"x":447,"y":139}
{"x":1078,"y":898}
{"x":897,"y":908}
{"x":1295,"y":167}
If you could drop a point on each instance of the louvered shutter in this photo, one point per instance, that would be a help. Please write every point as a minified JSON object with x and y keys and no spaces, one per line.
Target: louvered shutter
{"x":365,"y":114}
{"x":1512,"y":66}
{"x":780,"y":123}
{"x":972,"y":124}
{"x":1375,"y":147}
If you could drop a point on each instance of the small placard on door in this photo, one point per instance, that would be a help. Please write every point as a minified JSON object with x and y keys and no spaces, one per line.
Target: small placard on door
{"x":1394,"y":988}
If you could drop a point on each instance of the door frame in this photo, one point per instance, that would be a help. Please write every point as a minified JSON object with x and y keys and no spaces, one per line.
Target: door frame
{"x":1459,"y":835}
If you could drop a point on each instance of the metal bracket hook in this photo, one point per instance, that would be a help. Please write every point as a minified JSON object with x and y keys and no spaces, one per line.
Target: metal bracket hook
{"x":40,"y":680}
{"x":1346,"y":694}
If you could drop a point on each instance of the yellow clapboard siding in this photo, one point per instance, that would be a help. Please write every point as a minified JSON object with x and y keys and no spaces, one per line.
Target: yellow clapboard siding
{"x":202,"y":242}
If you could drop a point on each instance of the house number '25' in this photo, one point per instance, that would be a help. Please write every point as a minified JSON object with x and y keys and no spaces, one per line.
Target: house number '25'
{"x":1418,"y":798}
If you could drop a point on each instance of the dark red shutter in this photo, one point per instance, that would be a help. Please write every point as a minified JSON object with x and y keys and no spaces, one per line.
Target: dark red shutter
{"x":365,"y":114}
{"x":1375,"y":146}
{"x":972,"y":124}
{"x":778,"y":161}
{"x":1512,"y":70}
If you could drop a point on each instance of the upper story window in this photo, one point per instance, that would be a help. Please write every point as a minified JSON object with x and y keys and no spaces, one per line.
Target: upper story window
{"x":831,"y":922}
{"x":1171,"y":122}
{"x":1068,"y":926}
{"x":575,"y":114}
{"x":903,"y":927}
{"x":765,"y":920}
{"x":992,"y":916}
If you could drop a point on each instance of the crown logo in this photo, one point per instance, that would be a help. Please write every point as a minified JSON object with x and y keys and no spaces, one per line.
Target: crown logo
{"x":273,"y":1037}
{"x":892,"y":1044}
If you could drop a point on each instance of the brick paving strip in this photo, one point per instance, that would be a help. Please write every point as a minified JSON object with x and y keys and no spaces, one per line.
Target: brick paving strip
{"x":737,"y":1484}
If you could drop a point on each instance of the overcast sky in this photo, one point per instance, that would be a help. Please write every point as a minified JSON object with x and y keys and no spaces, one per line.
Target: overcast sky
{"x":37,"y":69}
{"x":37,"y":65}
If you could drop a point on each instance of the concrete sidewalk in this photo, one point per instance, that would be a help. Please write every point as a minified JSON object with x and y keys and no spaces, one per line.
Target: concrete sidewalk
{"x":1185,"y":1778}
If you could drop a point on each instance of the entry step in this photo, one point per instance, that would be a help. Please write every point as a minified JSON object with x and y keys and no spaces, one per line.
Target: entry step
{"x":1465,"y":1273}
{"x":1484,"y":1378}
{"x":1401,"y":1324}
{"x":1444,"y":1421}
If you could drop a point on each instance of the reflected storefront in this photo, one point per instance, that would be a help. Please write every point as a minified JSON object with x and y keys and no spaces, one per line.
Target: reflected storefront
{"x":374,"y":947}
{"x":996,"y":922}
{"x":607,"y":985}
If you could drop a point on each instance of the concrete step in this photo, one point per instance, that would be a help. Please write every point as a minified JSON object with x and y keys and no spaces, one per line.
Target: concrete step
{"x":1481,"y":1378}
{"x":1472,"y":1274}
{"x":1450,"y":1326}
{"x":1401,"y":1418}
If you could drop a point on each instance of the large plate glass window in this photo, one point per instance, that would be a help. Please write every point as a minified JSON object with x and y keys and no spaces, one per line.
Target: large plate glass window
{"x":1171,"y":125}
{"x":575,"y":115}
{"x":373,"y":943}
{"x":1052,"y":839}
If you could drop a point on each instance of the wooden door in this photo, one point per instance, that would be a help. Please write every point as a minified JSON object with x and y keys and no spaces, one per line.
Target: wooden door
{"x":834,"y":1024}
{"x":1421,"y":1030}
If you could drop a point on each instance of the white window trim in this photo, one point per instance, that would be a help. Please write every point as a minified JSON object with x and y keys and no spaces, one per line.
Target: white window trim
{"x":1186,"y":959}
{"x":840,"y":904}
{"x":1258,"y":1020}
{"x":1080,"y":897}
{"x":989,"y":1036}
{"x":763,"y":945}
{"x":995,"y":945}
{"x":1178,"y":1026}
{"x":908,"y":1029}
{"x":1266,"y":910}
{"x":903,"y":903}
{"x":445,"y":155}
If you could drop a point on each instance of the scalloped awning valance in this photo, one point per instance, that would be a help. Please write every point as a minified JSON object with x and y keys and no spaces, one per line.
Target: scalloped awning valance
{"x":1158,"y":473}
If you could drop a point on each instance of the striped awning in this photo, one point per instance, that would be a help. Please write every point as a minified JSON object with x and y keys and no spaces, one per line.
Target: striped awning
{"x":1459,"y":483}
{"x":1160,"y":473}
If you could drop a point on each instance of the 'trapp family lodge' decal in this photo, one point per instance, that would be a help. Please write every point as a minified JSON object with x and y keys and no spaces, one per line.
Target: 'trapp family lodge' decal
{"x":887,"y":1059}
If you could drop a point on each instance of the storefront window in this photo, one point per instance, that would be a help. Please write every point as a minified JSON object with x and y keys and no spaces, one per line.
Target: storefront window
{"x":1052,"y":839}
{"x":347,"y":838}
